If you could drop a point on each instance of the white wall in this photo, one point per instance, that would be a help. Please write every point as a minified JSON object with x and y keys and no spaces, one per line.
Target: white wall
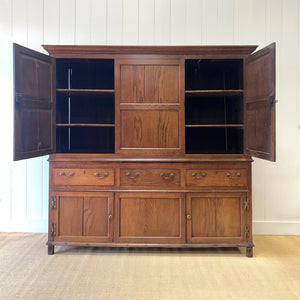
{"x":276,"y":192}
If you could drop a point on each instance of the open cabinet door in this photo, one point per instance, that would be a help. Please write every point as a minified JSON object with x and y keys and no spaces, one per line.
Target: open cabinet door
{"x":34,"y":103}
{"x":260,"y":103}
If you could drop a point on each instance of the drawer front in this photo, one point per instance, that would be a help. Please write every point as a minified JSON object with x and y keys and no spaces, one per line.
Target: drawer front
{"x":214,"y":177}
{"x":105,"y":176}
{"x":150,"y":177}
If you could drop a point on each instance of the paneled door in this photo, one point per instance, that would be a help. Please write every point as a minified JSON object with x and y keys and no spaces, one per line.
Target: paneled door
{"x":150,"y":218}
{"x":82,"y":217}
{"x":215,"y":217}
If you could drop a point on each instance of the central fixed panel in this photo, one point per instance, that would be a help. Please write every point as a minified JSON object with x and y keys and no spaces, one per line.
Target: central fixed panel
{"x":150,"y":100}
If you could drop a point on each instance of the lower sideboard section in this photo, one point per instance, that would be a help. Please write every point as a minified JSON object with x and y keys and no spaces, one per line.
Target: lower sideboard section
{"x":150,"y":219}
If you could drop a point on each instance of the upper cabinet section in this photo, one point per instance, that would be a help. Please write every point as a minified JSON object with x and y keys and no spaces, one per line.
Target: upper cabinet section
{"x":145,"y":101}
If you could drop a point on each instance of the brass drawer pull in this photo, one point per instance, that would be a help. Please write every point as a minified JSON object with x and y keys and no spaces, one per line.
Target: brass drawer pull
{"x":188,"y":217}
{"x":110,"y":217}
{"x":65,"y":175}
{"x":170,"y":176}
{"x":137,"y":174}
{"x":105,"y":174}
{"x":237,"y":175}
{"x":199,"y":177}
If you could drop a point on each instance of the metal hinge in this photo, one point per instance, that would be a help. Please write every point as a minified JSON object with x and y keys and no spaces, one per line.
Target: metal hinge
{"x":53,"y":202}
{"x":53,"y":229}
{"x":247,"y":231}
{"x":246,"y":204}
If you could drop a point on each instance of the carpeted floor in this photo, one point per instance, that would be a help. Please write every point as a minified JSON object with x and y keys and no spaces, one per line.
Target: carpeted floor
{"x":27,"y":272}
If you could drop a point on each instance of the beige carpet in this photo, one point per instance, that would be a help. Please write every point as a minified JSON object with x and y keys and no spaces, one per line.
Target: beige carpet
{"x":27,"y":272}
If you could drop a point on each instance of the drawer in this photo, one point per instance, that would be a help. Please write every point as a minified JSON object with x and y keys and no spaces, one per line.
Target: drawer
{"x":105,"y":176}
{"x":216,"y":177}
{"x":150,"y":177}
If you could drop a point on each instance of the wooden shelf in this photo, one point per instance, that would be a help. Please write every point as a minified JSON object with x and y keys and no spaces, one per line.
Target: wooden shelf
{"x":213,"y":92}
{"x":84,"y":125}
{"x":216,"y":126}
{"x":78,"y":92}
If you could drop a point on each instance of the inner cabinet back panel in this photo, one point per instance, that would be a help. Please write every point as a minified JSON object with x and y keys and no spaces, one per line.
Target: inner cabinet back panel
{"x":85,"y":140}
{"x":214,"y":140}
{"x":213,"y":74}
{"x":85,"y":73}
{"x":213,"y":110}
{"x":85,"y":109}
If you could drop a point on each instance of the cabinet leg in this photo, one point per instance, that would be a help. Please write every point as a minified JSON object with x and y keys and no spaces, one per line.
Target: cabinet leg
{"x":249,"y":251}
{"x":50,"y":249}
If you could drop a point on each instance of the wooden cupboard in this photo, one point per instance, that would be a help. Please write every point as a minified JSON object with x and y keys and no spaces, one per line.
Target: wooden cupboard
{"x":149,"y":145}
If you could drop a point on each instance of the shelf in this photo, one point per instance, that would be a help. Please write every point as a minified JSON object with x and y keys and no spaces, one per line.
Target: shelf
{"x":216,"y":126}
{"x":84,"y":125}
{"x":214,"y":93}
{"x":78,"y":92}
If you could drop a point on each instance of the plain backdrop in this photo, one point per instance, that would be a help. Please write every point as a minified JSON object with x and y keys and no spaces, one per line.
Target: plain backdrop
{"x":31,"y":23}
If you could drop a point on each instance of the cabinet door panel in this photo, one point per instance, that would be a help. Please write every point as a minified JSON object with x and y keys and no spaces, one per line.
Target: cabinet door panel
{"x":34,"y":103}
{"x":95,"y":216}
{"x":150,"y":218}
{"x":228,"y":216}
{"x":215,"y":217}
{"x":70,"y":216}
{"x":203,"y":217}
{"x":260,"y":104}
{"x":84,"y":217}
{"x":149,"y":129}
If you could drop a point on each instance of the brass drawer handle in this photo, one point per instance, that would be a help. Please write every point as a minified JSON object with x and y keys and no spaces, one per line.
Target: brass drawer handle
{"x":188,"y":217}
{"x":105,"y":174}
{"x":199,"y":177}
{"x":237,"y":175}
{"x":110,"y":217}
{"x":167,"y":177}
{"x":65,"y":175}
{"x":137,"y":174}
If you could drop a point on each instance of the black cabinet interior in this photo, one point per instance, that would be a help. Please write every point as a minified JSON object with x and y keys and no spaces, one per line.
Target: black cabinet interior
{"x":213,"y":110}
{"x":85,"y":140}
{"x":213,"y":74}
{"x":85,"y":73}
{"x":214,"y":115}
{"x":95,"y":109}
{"x":214,"y":140}
{"x":85,"y":106}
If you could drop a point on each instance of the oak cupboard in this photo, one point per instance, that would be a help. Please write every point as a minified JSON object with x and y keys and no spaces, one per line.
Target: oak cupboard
{"x":149,"y":145}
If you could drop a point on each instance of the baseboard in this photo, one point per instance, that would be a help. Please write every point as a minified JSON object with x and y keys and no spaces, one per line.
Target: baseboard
{"x":276,"y":227}
{"x":24,"y":226}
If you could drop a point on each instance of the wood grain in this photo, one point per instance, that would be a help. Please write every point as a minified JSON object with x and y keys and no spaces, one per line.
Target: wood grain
{"x":95,"y":216}
{"x":215,"y":217}
{"x":149,"y":129}
{"x":150,"y":217}
{"x":70,"y":216}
